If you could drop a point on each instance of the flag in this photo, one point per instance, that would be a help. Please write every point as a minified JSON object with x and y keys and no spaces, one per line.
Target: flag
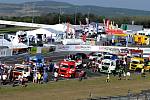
{"x":107,"y":24}
{"x":67,"y":27}
{"x":84,"y":37}
{"x":87,"y":21}
{"x":80,"y":23}
{"x":104,"y":22}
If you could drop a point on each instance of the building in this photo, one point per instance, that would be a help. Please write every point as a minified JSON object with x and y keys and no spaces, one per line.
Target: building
{"x":132,"y":27}
{"x":5,"y":51}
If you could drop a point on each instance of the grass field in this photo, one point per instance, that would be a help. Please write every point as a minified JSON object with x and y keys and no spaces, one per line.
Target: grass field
{"x":14,"y":29}
{"x":73,"y":89}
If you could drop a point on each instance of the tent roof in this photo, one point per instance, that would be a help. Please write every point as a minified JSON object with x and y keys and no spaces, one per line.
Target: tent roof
{"x":4,"y":42}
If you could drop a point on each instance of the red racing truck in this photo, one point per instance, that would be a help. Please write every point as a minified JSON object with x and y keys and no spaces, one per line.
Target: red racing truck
{"x":68,"y":69}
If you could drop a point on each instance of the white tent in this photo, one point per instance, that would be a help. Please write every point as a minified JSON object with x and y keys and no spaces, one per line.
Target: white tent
{"x":62,"y":27}
{"x":12,"y":45}
{"x":39,"y":31}
{"x":17,"y":46}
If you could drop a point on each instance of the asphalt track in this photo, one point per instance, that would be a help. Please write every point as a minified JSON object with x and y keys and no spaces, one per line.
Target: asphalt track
{"x":52,"y":56}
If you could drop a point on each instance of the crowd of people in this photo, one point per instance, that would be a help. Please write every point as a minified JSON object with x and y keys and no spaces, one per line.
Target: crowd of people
{"x":50,"y":72}
{"x":38,"y":74}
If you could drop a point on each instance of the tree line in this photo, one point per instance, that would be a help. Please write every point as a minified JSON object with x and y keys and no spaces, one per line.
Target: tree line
{"x":55,"y":18}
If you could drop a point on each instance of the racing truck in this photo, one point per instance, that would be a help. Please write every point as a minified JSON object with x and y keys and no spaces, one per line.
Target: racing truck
{"x":136,"y":64}
{"x":21,"y":69}
{"x":69,"y":69}
{"x":109,"y":64}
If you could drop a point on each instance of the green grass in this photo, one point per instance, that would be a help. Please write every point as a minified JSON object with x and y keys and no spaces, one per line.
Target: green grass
{"x":14,"y":29}
{"x":73,"y":89}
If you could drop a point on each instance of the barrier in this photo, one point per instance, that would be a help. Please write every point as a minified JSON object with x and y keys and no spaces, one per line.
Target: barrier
{"x":111,"y":49}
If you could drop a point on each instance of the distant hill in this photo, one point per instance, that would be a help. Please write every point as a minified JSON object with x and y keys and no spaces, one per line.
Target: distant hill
{"x":45,"y":7}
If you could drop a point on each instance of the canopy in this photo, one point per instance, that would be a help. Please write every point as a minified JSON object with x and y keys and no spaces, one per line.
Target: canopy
{"x":11,"y":45}
{"x":114,"y":31}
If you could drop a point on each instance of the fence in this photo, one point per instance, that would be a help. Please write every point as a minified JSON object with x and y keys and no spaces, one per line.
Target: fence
{"x":144,"y":95}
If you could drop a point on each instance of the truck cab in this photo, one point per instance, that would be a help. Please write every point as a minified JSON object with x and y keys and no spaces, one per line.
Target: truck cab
{"x":109,"y":63}
{"x":67,"y":69}
{"x":95,"y":55}
{"x":21,"y":69}
{"x":136,"y":64}
{"x":108,"y":66}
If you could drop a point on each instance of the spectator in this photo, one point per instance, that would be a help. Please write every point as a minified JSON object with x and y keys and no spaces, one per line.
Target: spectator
{"x":128,"y":75}
{"x":39,"y":76}
{"x":45,"y":77}
{"x":120,"y":74}
{"x":108,"y":78}
{"x":82,"y":75}
{"x":56,"y":75}
{"x":22,"y":80}
{"x":1,"y":72}
{"x":143,"y":73}
{"x":124,"y":75}
{"x":35,"y":77}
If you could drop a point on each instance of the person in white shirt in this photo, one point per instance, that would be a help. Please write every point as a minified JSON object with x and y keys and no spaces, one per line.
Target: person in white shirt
{"x":35,"y":77}
{"x":20,"y":78}
{"x":56,"y":76}
{"x":4,"y":77}
{"x":128,"y":75}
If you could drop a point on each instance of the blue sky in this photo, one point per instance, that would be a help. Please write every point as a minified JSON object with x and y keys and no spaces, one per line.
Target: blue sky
{"x":131,"y":4}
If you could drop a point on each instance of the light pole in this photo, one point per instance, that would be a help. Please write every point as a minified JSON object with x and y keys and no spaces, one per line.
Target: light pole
{"x":75,"y":18}
{"x":33,"y":7}
{"x":59,"y":15}
{"x":89,"y":13}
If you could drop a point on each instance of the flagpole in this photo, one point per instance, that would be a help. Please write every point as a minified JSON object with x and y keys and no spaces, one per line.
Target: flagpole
{"x":59,"y":14}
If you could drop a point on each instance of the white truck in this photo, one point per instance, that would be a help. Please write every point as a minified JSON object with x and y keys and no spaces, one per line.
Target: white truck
{"x":108,"y":64}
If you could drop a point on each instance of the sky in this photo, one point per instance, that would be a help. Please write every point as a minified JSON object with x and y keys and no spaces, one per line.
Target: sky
{"x":130,"y":4}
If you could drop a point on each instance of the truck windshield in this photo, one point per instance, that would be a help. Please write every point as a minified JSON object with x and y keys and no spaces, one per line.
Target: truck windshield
{"x":135,"y":62}
{"x":64,"y":66}
{"x":107,"y":57}
{"x":19,"y":69}
{"x":106,"y":63}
